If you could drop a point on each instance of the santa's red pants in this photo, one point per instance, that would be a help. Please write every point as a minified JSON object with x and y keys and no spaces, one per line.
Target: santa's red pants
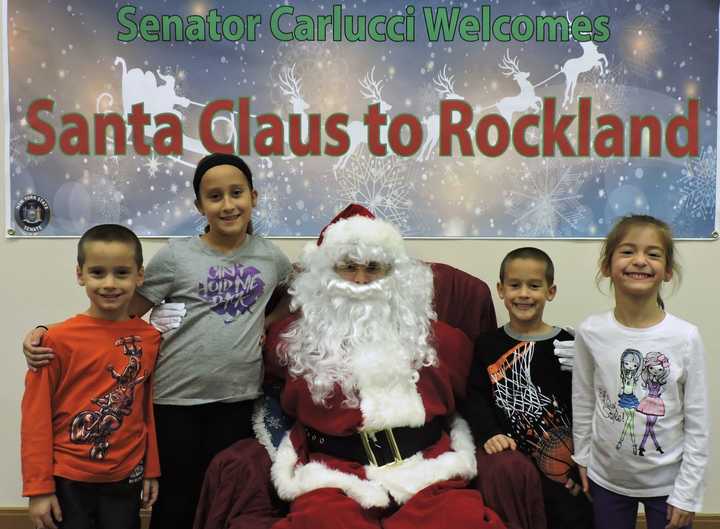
{"x":444,"y":505}
{"x":510,"y":483}
{"x":237,"y":493}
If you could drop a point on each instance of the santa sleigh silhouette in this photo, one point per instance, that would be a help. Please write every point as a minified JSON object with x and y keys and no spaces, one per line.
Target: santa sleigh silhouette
{"x":158,"y":96}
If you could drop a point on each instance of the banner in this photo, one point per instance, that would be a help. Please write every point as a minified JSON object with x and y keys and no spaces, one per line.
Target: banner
{"x":478,"y":119}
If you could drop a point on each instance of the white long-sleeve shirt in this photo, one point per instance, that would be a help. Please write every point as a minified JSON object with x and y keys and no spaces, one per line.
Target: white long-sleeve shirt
{"x":605,"y":403}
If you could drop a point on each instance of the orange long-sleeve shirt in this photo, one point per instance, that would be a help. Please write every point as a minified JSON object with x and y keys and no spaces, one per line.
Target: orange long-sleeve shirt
{"x":88,"y":415}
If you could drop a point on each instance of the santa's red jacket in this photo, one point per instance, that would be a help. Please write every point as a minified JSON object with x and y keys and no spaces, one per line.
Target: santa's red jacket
{"x":298,"y":470}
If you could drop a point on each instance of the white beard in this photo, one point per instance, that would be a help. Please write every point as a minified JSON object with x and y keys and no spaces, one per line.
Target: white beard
{"x":368,"y":340}
{"x":384,"y":379}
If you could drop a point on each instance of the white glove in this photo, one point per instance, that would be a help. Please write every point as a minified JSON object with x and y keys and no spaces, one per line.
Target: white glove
{"x":167,"y":316}
{"x":565,"y":351}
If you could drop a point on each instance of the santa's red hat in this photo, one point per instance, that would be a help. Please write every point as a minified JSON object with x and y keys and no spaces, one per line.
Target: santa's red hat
{"x":351,"y":211}
{"x":356,"y":225}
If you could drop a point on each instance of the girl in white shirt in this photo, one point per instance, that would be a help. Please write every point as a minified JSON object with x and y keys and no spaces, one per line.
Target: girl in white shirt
{"x":639,"y":374}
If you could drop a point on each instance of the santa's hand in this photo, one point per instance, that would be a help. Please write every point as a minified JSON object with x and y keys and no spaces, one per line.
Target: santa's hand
{"x":167,"y":316}
{"x":565,"y":352}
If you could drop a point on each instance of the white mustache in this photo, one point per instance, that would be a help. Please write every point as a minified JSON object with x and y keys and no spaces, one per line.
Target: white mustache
{"x":348,"y":289}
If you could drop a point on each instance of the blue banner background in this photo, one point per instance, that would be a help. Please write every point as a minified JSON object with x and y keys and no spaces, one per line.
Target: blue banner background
{"x":659,"y":54}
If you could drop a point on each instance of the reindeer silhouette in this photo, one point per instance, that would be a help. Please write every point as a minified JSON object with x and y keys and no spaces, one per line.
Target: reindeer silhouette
{"x":590,"y":59}
{"x":526,"y":99}
{"x":290,"y":86}
{"x":445,"y":86}
{"x":356,"y":130}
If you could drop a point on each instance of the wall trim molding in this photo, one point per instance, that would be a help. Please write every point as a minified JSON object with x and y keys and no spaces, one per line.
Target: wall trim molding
{"x":701,"y":521}
{"x":17,"y":518}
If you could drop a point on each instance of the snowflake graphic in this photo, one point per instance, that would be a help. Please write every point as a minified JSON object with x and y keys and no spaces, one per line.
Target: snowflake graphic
{"x":380,"y":184}
{"x":697,"y":185}
{"x":609,"y":92}
{"x":20,"y":159}
{"x":266,"y":215}
{"x":153,"y":166}
{"x":546,"y":202}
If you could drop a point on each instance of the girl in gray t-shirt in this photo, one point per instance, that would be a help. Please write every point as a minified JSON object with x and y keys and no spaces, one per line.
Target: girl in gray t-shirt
{"x":210,"y":368}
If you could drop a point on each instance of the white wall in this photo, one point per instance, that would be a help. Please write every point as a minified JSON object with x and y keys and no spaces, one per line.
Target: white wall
{"x":37,"y":278}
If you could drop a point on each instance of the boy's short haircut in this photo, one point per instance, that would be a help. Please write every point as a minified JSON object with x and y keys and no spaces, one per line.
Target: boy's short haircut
{"x":530,"y":252}
{"x":110,"y":233}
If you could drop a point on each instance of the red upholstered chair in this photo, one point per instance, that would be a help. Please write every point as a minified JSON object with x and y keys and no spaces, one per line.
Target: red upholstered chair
{"x":462,"y":300}
{"x":238,"y":493}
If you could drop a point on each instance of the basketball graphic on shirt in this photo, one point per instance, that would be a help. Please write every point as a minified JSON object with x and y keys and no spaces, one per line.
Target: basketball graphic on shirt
{"x":554,"y":452}
{"x":539,"y":423}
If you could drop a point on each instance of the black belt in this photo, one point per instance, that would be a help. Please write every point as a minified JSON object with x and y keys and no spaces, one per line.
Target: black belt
{"x":379,"y":448}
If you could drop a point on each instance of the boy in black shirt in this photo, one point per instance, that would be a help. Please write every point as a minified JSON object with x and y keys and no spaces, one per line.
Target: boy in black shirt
{"x":518,"y":396}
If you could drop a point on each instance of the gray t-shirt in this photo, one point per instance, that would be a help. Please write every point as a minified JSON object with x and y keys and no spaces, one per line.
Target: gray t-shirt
{"x":215,"y":354}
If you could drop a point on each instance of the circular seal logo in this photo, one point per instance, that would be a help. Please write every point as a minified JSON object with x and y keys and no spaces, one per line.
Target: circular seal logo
{"x":32,"y":213}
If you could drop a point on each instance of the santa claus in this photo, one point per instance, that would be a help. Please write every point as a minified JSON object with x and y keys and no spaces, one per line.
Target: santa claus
{"x":373,"y":381}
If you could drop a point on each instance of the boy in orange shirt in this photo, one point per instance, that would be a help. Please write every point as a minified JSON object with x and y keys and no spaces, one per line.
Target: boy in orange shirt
{"x":89,"y":453}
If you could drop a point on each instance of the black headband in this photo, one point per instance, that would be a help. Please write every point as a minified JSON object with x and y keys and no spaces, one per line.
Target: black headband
{"x":212,"y":160}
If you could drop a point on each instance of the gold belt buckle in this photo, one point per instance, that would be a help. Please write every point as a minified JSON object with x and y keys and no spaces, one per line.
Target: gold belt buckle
{"x":366,"y":435}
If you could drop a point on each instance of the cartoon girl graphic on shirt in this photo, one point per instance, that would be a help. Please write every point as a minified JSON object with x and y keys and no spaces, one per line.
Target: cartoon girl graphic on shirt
{"x":655,"y":372}
{"x":630,"y":368}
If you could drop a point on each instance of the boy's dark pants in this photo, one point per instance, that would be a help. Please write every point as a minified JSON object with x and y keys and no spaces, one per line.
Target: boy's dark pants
{"x":99,"y":505}
{"x":615,"y":511}
{"x":562,"y":509}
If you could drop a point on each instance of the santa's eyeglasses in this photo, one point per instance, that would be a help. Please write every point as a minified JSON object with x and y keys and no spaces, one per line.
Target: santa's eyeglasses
{"x":371,"y":268}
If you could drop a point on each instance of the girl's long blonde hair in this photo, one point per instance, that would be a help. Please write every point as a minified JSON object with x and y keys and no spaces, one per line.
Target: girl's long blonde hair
{"x":620,"y":230}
